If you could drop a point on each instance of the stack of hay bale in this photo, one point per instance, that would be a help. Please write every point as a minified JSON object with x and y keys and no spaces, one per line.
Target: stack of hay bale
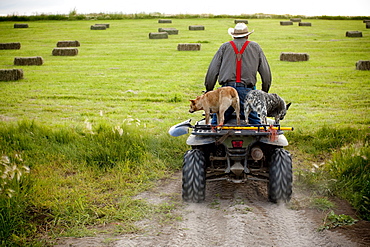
{"x":367,"y":22}
{"x":353,"y":34}
{"x":299,"y":20}
{"x":236,"y":21}
{"x":188,"y":47}
{"x":169,"y":30}
{"x":99,"y":26}
{"x":294,"y":57}
{"x":164,"y":21}
{"x":21,"y":61}
{"x":22,"y":25}
{"x":196,"y":27}
{"x":10,"y":46}
{"x":363,"y":65}
{"x":64,"y":48}
{"x":11,"y":74}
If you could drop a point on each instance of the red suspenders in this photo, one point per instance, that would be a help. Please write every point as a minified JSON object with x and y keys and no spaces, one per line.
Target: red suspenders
{"x":239,"y":59}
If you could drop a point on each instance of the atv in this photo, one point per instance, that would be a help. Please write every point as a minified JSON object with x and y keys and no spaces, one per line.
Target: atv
{"x":235,"y":153}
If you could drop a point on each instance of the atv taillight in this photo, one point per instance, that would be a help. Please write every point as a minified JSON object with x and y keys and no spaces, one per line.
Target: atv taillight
{"x":237,"y":144}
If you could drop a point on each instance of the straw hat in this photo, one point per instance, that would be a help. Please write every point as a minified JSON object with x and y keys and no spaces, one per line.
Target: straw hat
{"x":240,"y":30}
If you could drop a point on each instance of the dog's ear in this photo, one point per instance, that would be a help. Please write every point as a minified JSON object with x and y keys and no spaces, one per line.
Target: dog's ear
{"x":288,"y":105}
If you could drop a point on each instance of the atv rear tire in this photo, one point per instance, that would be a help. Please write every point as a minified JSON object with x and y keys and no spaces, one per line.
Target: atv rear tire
{"x":193,"y":176}
{"x":281,"y":176}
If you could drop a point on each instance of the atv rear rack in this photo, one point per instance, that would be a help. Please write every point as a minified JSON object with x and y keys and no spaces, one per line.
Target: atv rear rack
{"x":248,"y":130}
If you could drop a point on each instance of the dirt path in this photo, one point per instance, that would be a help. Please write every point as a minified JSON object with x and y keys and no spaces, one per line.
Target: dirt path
{"x":232,"y":215}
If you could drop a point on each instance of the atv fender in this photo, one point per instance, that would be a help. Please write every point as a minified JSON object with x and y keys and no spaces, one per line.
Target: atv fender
{"x":195,"y":140}
{"x":280,"y":141}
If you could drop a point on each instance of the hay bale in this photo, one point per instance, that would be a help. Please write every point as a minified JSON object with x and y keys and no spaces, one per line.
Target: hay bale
{"x":160,"y":35}
{"x":170,"y":30}
{"x":98,"y":27}
{"x":353,"y":34}
{"x":68,"y":43}
{"x":196,"y":27}
{"x":189,"y":47}
{"x":286,"y":23}
{"x":164,"y":21}
{"x":366,"y":21}
{"x":106,"y":25}
{"x":241,"y":21}
{"x":65,"y":51}
{"x":294,"y":57}
{"x":10,"y":46}
{"x":11,"y":74}
{"x":363,"y":65}
{"x":296,"y":19}
{"x":367,"y":24}
{"x":307,"y":24}
{"x":28,"y":61}
{"x":22,"y":25}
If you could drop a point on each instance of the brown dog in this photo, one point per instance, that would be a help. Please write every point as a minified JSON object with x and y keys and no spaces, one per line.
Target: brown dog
{"x":217,"y":101}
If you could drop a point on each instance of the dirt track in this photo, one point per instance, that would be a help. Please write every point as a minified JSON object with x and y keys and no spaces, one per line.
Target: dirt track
{"x":232,"y":215}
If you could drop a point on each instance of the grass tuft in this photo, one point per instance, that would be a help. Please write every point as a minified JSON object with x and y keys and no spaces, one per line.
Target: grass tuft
{"x":81,"y":177}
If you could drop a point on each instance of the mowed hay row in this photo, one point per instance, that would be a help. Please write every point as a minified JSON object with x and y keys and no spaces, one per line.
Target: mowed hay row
{"x":10,"y":46}
{"x":353,"y":34}
{"x":20,"y":25}
{"x":189,"y":47}
{"x":363,"y":65}
{"x":160,"y":35}
{"x":196,"y":27}
{"x":305,"y":24}
{"x":68,"y":43}
{"x":164,"y":21}
{"x":294,"y":57}
{"x":65,"y":51}
{"x":241,"y":21}
{"x":98,"y":27}
{"x":170,"y":31}
{"x":28,"y":61}
{"x":11,"y":74}
{"x":286,"y":23}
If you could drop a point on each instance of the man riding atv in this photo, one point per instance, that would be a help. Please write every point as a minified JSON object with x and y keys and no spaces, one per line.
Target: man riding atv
{"x":236,"y":64}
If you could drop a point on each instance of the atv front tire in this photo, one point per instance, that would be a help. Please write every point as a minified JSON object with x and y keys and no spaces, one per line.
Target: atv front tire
{"x":193,"y":176}
{"x":281,"y":176}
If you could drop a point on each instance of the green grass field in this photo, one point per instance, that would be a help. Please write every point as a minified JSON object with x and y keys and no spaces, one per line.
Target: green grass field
{"x":120,"y":72}
{"x":65,"y":118}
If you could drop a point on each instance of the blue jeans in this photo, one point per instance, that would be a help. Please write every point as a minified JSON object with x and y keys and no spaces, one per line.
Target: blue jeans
{"x":253,"y":116}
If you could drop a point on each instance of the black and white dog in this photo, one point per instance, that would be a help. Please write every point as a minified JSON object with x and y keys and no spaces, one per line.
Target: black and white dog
{"x":266,"y":105}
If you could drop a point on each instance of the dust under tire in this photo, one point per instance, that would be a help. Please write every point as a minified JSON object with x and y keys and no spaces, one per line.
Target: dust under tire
{"x":193,"y":176}
{"x":281,"y":176}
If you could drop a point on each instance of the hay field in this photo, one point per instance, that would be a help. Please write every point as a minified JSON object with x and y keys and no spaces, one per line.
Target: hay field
{"x":120,"y":73}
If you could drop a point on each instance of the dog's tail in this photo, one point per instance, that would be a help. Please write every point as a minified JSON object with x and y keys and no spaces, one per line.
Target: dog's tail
{"x":237,"y":107}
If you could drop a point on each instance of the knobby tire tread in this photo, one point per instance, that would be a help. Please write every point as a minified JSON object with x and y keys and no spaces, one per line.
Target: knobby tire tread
{"x":193,"y":176}
{"x":281,"y":176}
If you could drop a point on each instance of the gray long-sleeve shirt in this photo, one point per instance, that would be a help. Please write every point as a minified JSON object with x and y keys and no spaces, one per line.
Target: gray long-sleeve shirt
{"x":223,"y":66}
